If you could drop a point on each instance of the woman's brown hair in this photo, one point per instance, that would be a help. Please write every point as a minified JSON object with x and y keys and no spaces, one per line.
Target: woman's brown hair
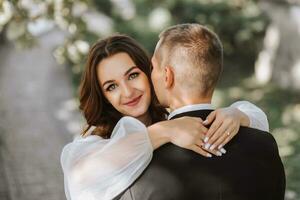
{"x":96,"y":109}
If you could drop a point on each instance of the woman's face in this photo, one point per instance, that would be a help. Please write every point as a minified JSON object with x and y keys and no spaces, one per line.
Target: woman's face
{"x":124,"y":85}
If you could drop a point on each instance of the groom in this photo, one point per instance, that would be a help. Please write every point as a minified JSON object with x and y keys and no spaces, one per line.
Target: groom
{"x":187,"y":64}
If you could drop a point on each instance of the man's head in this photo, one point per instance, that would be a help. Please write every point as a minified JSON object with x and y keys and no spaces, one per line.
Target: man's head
{"x":188,"y":59}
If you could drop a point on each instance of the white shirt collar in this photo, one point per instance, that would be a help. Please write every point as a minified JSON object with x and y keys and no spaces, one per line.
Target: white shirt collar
{"x":206,"y":106}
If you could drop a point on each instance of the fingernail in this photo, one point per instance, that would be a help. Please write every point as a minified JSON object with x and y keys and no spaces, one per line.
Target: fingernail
{"x":205,"y":121}
{"x":207,"y":145}
{"x":209,"y":155}
{"x":219,"y":153}
{"x":220,"y":146}
{"x":206,"y":139}
{"x":223,"y":150}
{"x":212,"y":147}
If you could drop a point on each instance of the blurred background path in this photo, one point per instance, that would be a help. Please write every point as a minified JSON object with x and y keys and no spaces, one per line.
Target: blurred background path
{"x":34,"y":99}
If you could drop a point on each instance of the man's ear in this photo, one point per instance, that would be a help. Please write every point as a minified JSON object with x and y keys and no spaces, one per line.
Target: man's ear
{"x":169,"y":77}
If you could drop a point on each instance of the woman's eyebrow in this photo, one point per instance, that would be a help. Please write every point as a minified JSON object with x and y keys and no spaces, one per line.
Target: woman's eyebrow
{"x":107,"y":82}
{"x":129,"y":70}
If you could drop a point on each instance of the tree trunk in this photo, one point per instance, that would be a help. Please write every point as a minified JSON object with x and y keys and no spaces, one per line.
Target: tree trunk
{"x":279,"y":61}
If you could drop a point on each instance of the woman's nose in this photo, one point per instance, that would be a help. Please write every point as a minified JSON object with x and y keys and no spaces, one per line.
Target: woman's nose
{"x":127,"y":90}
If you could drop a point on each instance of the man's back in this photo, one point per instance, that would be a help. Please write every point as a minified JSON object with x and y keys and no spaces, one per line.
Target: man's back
{"x":251,"y":169}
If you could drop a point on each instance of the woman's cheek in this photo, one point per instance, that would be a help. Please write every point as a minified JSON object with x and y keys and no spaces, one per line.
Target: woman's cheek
{"x":145,"y":83}
{"x":111,"y":97}
{"x":147,"y":91}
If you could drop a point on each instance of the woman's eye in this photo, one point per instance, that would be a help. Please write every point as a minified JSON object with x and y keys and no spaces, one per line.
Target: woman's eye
{"x":133,"y":75}
{"x":111,"y":87}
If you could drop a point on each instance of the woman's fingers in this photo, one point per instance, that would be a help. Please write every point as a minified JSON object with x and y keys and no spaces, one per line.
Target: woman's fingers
{"x":222,"y":130}
{"x":220,"y":142}
{"x":225,"y":126}
{"x":210,"y":118}
{"x":186,"y":131}
{"x":213,"y":128}
{"x":199,"y":126}
{"x":206,"y":153}
{"x":200,"y":151}
{"x":193,"y":137}
{"x":216,"y":152}
{"x":227,"y":139}
{"x":203,"y":131}
{"x":198,"y":148}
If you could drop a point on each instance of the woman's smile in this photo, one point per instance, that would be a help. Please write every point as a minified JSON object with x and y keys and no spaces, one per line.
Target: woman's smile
{"x":134,"y":101}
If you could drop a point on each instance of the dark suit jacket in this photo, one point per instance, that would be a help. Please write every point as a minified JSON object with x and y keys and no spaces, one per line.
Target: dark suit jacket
{"x":251,"y":169}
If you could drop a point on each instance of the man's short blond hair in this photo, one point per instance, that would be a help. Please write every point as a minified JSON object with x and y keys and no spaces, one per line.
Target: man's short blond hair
{"x":195,"y":52}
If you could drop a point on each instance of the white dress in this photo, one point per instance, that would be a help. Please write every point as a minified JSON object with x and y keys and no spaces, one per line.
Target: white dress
{"x":100,"y":169}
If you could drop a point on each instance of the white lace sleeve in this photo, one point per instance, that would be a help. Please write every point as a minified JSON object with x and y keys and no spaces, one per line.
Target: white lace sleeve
{"x":258,"y":119}
{"x":96,"y":168}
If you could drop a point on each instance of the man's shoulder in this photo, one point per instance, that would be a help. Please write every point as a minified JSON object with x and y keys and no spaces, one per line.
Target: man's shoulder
{"x":252,"y":133}
{"x":261,"y":140}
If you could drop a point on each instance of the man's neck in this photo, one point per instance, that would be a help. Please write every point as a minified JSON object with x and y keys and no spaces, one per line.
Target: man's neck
{"x":190,"y":108}
{"x":178,"y":103}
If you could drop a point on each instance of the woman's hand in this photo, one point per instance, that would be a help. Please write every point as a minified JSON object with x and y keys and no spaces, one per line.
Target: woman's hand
{"x":185,"y":132}
{"x":226,"y":124}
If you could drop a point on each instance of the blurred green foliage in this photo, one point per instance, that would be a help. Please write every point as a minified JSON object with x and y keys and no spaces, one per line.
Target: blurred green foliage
{"x":239,"y":23}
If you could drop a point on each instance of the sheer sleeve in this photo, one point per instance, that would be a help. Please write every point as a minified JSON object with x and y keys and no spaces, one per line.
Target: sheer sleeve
{"x":96,"y":168}
{"x":258,"y":119}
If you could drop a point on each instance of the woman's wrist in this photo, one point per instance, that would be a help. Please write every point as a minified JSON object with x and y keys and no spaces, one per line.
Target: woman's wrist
{"x":158,"y":136}
{"x":244,"y":119}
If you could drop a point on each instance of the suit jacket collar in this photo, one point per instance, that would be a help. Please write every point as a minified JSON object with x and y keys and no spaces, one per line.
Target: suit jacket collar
{"x":196,"y":113}
{"x":189,"y":110}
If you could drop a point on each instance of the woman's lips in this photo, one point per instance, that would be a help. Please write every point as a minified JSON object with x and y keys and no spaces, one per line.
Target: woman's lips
{"x":134,"y":102}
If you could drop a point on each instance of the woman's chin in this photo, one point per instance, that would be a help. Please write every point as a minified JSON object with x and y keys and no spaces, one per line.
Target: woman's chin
{"x":137,"y":113}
